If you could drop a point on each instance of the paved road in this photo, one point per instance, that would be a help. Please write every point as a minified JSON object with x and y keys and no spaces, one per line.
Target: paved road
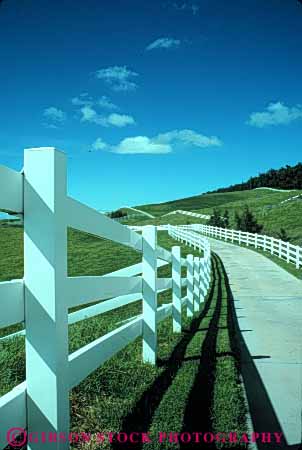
{"x":268,"y":306}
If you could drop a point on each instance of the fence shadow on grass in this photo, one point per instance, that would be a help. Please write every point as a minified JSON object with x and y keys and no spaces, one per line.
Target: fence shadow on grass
{"x":197,"y":415}
{"x":141,"y":416}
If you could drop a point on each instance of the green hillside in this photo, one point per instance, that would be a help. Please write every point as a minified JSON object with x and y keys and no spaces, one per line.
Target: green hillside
{"x":205,"y":201}
{"x":265,"y":203}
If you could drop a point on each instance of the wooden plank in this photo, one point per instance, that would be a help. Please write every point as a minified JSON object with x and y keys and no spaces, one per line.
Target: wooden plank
{"x":89,"y":220}
{"x":129,"y":271}
{"x":184,"y":282}
{"x":163,"y":312}
{"x":11,"y":190}
{"x":163,"y":254}
{"x":88,"y":358}
{"x":11,"y":302}
{"x":13,"y":335}
{"x":184,"y":300}
{"x":135,"y":269}
{"x":88,"y":289}
{"x":12,"y":412}
{"x":103,"y":307}
{"x":164,"y":283}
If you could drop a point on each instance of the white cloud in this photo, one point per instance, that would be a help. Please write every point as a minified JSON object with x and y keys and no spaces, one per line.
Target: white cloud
{"x":163,"y":43}
{"x":141,"y":144}
{"x":119,"y":78}
{"x":90,"y":115}
{"x":85,"y":100}
{"x":117,"y":120}
{"x":99,"y":144}
{"x":189,"y":137}
{"x":54,"y":117}
{"x":82,"y":100}
{"x":120,"y":120}
{"x":275,"y":114}
{"x":192,"y":7}
{"x":162,"y":143}
{"x":105,"y":103}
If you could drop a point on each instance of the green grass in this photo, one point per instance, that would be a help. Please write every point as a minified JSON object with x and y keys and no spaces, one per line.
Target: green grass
{"x":222,"y":200}
{"x":197,"y":368}
{"x":173,"y":219}
{"x":271,"y":214}
{"x":264,"y":203}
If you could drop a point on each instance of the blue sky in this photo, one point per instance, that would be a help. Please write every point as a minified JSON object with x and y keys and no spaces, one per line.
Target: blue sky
{"x":152,"y":101}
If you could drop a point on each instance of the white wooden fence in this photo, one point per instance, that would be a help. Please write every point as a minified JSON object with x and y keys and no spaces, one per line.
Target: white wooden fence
{"x":42,"y":298}
{"x":284,"y":250}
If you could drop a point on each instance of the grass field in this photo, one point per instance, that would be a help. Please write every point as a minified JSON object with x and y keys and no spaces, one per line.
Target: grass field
{"x":196,"y":383}
{"x":264,"y":203}
{"x":210,"y":201}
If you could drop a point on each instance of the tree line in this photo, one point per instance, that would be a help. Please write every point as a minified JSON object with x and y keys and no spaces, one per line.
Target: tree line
{"x":117,"y":214}
{"x":288,"y":177}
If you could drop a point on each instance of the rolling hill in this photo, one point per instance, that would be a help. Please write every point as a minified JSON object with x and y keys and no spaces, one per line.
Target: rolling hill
{"x":274,"y":209}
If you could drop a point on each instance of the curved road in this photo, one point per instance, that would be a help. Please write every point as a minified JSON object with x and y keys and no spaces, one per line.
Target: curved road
{"x":268,"y":306}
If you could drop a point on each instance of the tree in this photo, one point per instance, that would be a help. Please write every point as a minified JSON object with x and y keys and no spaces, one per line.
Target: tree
{"x":226,"y":219}
{"x":238,"y":220}
{"x":247,"y":221}
{"x":116,"y":214}
{"x":216,"y":220}
{"x":283,"y":236}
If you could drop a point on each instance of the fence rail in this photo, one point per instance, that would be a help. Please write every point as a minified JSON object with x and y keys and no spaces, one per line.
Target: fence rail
{"x":42,"y":298}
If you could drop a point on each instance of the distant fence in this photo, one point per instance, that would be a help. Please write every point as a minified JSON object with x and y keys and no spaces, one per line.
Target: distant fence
{"x":42,"y":298}
{"x":291,"y":199}
{"x":284,"y":250}
{"x":189,"y":213}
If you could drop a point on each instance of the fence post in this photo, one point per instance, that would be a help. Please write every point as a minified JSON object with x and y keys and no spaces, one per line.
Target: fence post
{"x":232,"y":235}
{"x":196,"y":283}
{"x":190,"y":274}
{"x":239,"y":238}
{"x":176,"y":289}
{"x":202,"y":282}
{"x":149,"y":276}
{"x":256,"y":240}
{"x":208,"y":268}
{"x":297,"y":257}
{"x":280,"y":248}
{"x":272,"y":246}
{"x":46,"y":313}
